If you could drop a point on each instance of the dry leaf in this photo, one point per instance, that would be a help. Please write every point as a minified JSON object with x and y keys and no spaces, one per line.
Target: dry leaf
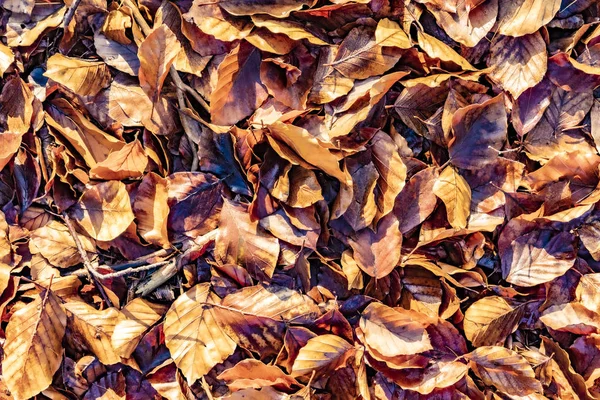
{"x":157,"y":53}
{"x":129,"y":162}
{"x":238,"y":90}
{"x":34,"y":333}
{"x":85,"y":78}
{"x":377,"y":253}
{"x":104,"y":210}
{"x":94,"y":329}
{"x":55,"y":243}
{"x":505,"y":369}
{"x":193,"y":337}
{"x":490,"y":320}
{"x":520,"y":62}
{"x":522,"y":17}
{"x":322,"y":354}
{"x":150,"y":209}
{"x":455,"y":192}
{"x":138,"y":316}
{"x":241,"y":241}
{"x":393,"y":332}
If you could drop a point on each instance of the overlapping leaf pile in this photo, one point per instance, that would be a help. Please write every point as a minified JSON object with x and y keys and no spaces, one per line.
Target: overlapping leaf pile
{"x":284,"y":199}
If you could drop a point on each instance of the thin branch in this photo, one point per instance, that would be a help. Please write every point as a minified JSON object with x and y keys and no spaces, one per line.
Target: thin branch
{"x":128,"y":271}
{"x":95,"y":276}
{"x":70,"y":13}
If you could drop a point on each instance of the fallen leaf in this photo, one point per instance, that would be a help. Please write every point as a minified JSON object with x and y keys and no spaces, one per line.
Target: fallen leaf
{"x":55,"y":243}
{"x":505,"y":369}
{"x":521,"y":62}
{"x":455,"y":192}
{"x":128,"y":162}
{"x":238,"y":91}
{"x":241,"y":241}
{"x":469,"y":150}
{"x":192,"y":335}
{"x":104,"y":210}
{"x":84,"y":78}
{"x":35,"y":332}
{"x":393,"y":332}
{"x":377,"y":253}
{"x":156,"y":54}
{"x":138,"y":316}
{"x":490,"y":320}
{"x":522,"y":17}
{"x":323,"y":354}
{"x":151,"y":211}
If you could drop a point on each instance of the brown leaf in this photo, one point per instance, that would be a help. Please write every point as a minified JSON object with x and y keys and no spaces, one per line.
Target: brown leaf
{"x":293,"y":30}
{"x":252,"y":373}
{"x":522,"y":17}
{"x":416,"y":201}
{"x":16,"y":105}
{"x":455,"y":192}
{"x":104,"y":210}
{"x":82,"y":77}
{"x":377,"y":253}
{"x":212,"y":20}
{"x":34,"y":333}
{"x":435,"y":48}
{"x":93,"y":144}
{"x":274,"y":302}
{"x":472,"y":150}
{"x":519,"y":63}
{"x":7,"y":57}
{"x":157,"y":53}
{"x":279,"y":9}
{"x":194,"y":199}
{"x":238,"y":92}
{"x":241,"y":241}
{"x":468,"y":26}
{"x":192,"y":335}
{"x":571,"y":317}
{"x":138,"y":316}
{"x":393,"y":332}
{"x":94,"y":329}
{"x":55,"y":243}
{"x":490,"y":320}
{"x":308,"y":148}
{"x":128,"y":162}
{"x":362,"y":53}
{"x":323,"y":354}
{"x":151,"y":210}
{"x":505,"y":369}
{"x":553,"y":134}
{"x":538,"y":257}
{"x":587,"y":292}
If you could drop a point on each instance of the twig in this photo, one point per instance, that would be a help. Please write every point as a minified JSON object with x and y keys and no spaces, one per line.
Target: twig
{"x":141,"y":260}
{"x":93,"y":273}
{"x":70,"y":13}
{"x":124,"y":272}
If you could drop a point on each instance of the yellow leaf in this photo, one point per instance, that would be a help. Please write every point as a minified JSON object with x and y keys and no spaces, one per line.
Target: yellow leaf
{"x":192,"y":335}
{"x":455,"y":192}
{"x":33,"y":347}
{"x":85,"y":78}
{"x":104,"y":210}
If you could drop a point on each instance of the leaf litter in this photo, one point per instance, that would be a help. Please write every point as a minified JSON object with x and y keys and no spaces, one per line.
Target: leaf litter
{"x":344,"y":199}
